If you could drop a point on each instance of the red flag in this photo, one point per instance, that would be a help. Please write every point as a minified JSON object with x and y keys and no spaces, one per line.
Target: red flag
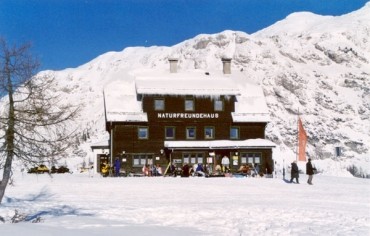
{"x":302,"y":141}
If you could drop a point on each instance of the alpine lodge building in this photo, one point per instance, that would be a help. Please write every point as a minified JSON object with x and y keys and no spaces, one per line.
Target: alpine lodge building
{"x":173,"y":116}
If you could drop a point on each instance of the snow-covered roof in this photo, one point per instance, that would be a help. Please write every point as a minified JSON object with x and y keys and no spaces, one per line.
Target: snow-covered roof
{"x":123,"y":104}
{"x":127,"y":116}
{"x":100,"y":145}
{"x":250,"y":117}
{"x":251,"y":105}
{"x":197,"y":84}
{"x":216,"y":144}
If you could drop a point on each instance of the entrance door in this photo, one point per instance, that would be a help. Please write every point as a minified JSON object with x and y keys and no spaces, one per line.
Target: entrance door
{"x":102,"y":159}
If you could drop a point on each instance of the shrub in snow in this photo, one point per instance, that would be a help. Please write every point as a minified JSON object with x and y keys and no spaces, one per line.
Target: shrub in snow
{"x":357,"y":172}
{"x":38,"y":220}
{"x":11,"y":182}
{"x":17,"y":217}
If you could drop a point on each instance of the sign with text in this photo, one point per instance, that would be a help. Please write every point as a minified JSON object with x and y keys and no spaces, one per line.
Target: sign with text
{"x":188,"y":115}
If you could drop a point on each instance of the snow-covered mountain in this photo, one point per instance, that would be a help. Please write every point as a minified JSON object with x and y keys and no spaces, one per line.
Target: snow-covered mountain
{"x":307,"y":64}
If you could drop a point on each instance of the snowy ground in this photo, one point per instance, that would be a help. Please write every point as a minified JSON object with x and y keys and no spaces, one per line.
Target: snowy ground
{"x":76,"y":204}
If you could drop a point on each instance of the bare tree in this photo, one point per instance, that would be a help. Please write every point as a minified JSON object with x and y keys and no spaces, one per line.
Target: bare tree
{"x":33,"y":118}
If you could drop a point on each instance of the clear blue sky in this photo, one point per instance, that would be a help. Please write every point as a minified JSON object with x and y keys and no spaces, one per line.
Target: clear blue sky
{"x":69,"y":33}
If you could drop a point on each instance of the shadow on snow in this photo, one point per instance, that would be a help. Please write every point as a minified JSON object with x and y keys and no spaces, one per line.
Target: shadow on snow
{"x":42,"y":196}
{"x":58,"y":211}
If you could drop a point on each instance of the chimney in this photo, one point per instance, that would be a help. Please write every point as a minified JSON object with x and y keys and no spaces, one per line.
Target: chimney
{"x":226,"y":65}
{"x":173,"y":64}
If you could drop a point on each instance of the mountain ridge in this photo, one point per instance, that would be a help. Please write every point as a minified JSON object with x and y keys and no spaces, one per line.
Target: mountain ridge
{"x":318,"y":69}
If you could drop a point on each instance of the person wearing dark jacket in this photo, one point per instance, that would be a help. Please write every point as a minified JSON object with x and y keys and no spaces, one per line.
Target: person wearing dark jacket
{"x":199,"y":170}
{"x":185,"y":170}
{"x":117,"y":167}
{"x":294,"y":172}
{"x":309,"y":171}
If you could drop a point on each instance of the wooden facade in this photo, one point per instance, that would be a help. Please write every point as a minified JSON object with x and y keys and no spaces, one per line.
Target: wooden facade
{"x":189,"y":117}
{"x":176,"y":120}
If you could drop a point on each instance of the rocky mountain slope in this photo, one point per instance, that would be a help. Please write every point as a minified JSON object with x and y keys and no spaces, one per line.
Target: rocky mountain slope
{"x":314,"y":66}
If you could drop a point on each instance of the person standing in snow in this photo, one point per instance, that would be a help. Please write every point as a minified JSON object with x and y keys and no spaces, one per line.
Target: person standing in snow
{"x":185,"y":170}
{"x":309,"y":171}
{"x":117,"y":166}
{"x":294,"y":172}
{"x":225,"y":162}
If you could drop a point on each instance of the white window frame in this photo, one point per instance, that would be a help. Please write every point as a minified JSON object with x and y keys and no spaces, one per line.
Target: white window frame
{"x":159,"y":104}
{"x":189,"y":105}
{"x":212,"y":128}
{"x":187,"y":132}
{"x":237,"y":134}
{"x":250,"y":157}
{"x":193,"y":157}
{"x":139,"y":160}
{"x":173,"y":130}
{"x":218,"y":105}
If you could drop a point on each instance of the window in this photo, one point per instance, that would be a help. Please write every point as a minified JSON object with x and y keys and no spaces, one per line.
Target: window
{"x":250,"y":158}
{"x":159,"y":104}
{"x":190,"y":133}
{"x":234,"y":133}
{"x":193,"y":158}
{"x":189,"y":105}
{"x":218,"y":105}
{"x":141,"y":160}
{"x":209,"y":132}
{"x":142,"y":133}
{"x":170,"y":132}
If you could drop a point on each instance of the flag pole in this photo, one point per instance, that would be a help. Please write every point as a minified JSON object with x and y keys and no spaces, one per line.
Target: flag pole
{"x":302,"y":141}
{"x":296,"y":150}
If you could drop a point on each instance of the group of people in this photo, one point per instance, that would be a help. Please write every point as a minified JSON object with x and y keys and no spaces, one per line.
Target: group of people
{"x":310,"y":170}
{"x":249,"y":170}
{"x":203,"y":170}
{"x":195,"y":170}
{"x":200,"y":169}
{"x":152,"y":170}
{"x":105,"y":168}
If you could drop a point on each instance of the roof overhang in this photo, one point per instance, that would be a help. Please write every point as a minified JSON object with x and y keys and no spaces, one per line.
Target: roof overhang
{"x":251,"y":117}
{"x":221,"y":144}
{"x":100,"y":145}
{"x":112,"y":116}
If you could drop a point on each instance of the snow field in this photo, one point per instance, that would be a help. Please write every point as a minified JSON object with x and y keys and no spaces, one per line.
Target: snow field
{"x":81,"y":205}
